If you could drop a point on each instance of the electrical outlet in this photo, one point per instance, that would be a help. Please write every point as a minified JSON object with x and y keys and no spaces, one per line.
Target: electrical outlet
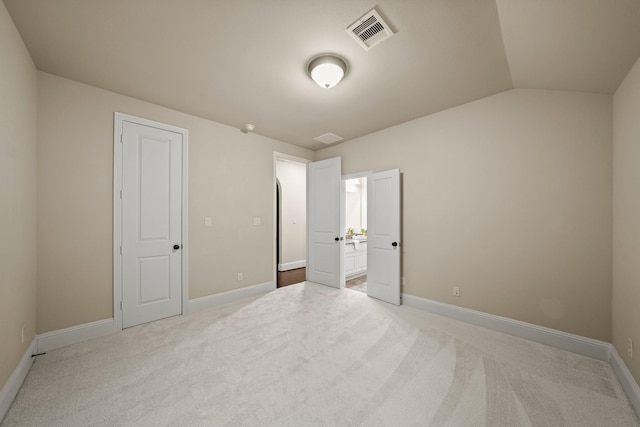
{"x":257,"y":221}
{"x":22,"y":334}
{"x":207,"y":221}
{"x":240,"y":277}
{"x":456,"y":291}
{"x":630,"y":347}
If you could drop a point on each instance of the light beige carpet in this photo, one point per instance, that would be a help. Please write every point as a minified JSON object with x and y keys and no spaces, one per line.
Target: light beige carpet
{"x":309,"y":355}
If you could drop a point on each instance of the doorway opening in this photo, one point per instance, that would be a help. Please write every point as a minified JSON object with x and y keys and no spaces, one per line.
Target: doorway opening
{"x":355,"y":251}
{"x":326,"y":228}
{"x":290,"y":220}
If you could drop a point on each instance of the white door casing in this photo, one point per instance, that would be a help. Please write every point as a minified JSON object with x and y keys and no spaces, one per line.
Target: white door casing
{"x":151,"y":221}
{"x":324,"y":223}
{"x":383,"y":236}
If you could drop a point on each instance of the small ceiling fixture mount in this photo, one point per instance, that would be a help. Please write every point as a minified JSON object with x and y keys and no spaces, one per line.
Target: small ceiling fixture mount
{"x":327,"y":70}
{"x":247,"y":128}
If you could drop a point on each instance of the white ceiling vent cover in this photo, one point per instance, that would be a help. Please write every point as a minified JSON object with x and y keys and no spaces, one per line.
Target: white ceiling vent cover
{"x":328,"y":138}
{"x":370,"y":30}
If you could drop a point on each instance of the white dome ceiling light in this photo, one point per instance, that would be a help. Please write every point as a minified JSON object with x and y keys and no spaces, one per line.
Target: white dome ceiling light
{"x":327,"y":70}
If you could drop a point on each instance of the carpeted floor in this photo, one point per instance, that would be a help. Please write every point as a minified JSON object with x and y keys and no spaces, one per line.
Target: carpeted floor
{"x":362,"y":287}
{"x":309,"y":355}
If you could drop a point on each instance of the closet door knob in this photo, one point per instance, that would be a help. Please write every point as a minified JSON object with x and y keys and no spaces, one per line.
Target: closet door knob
{"x":176,"y":247}
{"x":394,"y":244}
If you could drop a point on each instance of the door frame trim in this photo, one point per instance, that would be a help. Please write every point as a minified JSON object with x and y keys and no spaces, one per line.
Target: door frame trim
{"x":118,"y":119}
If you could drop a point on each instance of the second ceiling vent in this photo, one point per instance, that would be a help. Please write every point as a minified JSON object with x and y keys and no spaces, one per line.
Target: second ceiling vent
{"x":370,"y":29}
{"x":328,"y":138}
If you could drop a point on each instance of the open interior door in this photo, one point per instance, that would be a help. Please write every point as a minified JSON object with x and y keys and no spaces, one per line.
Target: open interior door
{"x":383,"y":236}
{"x":324,"y":223}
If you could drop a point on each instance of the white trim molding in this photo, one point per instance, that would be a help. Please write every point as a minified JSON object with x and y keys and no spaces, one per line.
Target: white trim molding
{"x":574,"y":343}
{"x":230,"y":296}
{"x":627,"y":381}
{"x":74,"y":334}
{"x":292,"y":265}
{"x":118,"y":119}
{"x":13,"y":384}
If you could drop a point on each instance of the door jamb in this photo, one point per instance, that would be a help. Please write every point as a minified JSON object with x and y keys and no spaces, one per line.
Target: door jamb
{"x":118,"y":120}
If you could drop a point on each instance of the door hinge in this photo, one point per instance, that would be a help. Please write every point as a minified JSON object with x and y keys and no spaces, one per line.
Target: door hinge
{"x":121,"y":138}
{"x":120,"y":305}
{"x":120,"y":249}
{"x":121,"y":194}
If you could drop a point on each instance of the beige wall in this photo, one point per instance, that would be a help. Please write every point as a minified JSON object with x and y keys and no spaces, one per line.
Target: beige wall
{"x":293,"y":198}
{"x":18,"y":90}
{"x":230,"y":179}
{"x":626,"y":218}
{"x":508,"y":197}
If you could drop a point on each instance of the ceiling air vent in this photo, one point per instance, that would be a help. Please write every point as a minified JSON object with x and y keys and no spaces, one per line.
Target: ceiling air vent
{"x":328,"y":138}
{"x":370,"y":30}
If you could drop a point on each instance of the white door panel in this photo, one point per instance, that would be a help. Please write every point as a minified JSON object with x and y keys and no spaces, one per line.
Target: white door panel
{"x":151,"y":223}
{"x":324,"y":225}
{"x":153,"y":283}
{"x":383,"y":236}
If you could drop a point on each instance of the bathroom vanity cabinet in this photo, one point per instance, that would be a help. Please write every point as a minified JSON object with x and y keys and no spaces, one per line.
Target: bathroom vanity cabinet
{"x":355,"y":260}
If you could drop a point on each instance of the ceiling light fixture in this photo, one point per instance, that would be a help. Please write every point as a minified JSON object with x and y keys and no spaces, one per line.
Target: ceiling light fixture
{"x":327,"y":70}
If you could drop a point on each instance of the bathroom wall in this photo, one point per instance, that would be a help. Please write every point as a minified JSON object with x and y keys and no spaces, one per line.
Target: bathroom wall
{"x":356,"y":204}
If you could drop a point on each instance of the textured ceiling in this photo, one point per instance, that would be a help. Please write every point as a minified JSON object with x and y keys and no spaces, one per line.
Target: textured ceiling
{"x":243,"y":61}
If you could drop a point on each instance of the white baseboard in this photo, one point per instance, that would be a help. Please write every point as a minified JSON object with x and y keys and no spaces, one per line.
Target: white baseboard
{"x":626,"y":379}
{"x":13,"y":384}
{"x":292,"y":265}
{"x":581,"y":345}
{"x":229,"y":296}
{"x":61,"y":337}
{"x":574,"y":343}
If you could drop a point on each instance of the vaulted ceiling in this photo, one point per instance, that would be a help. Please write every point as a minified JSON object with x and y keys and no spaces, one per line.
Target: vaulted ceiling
{"x":244,"y":61}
